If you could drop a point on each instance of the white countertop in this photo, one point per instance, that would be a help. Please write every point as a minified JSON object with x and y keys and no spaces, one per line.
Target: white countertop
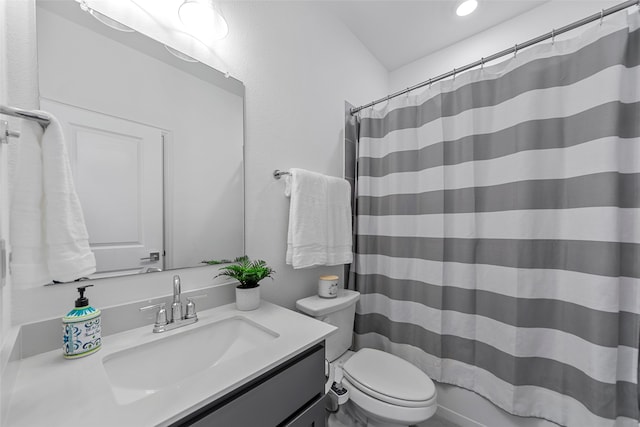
{"x":53,"y":391}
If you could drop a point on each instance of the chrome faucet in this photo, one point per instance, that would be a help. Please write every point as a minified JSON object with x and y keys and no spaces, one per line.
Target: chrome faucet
{"x":163,"y":323}
{"x":176,"y":307}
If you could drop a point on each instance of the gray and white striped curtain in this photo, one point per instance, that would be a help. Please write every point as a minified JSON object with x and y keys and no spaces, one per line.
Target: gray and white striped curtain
{"x":498,"y":229}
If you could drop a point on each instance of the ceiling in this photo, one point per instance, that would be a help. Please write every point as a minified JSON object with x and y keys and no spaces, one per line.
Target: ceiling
{"x":402,"y":31}
{"x":396,"y":32}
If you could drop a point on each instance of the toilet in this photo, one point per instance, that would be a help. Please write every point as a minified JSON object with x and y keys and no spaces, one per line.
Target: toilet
{"x":384,"y":390}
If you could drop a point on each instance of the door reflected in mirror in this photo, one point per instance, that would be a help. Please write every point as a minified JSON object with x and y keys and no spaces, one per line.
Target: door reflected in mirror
{"x":155,"y":143}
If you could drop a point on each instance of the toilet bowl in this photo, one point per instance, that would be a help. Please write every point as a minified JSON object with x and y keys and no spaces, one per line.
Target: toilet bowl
{"x":384,"y":390}
{"x":388,"y":390}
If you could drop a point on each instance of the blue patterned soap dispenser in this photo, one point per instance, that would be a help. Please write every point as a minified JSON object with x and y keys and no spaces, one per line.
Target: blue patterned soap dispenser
{"x":81,"y":329}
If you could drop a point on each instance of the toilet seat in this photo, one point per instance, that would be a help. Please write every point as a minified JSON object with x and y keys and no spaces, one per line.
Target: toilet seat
{"x":390,"y":379}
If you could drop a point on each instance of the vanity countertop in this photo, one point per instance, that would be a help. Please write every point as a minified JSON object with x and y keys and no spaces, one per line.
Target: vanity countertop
{"x":53,"y":391}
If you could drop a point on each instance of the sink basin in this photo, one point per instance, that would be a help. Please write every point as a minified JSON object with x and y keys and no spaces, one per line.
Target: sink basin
{"x":147,"y":368}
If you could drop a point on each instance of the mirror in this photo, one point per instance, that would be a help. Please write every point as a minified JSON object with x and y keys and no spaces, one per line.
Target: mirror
{"x":155,"y":143}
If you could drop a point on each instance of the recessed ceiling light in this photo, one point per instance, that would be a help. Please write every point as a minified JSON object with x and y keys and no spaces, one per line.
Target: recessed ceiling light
{"x":466,"y":7}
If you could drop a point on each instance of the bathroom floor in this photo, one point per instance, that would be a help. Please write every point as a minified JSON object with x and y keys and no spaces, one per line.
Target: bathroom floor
{"x":437,"y":421}
{"x":342,"y":420}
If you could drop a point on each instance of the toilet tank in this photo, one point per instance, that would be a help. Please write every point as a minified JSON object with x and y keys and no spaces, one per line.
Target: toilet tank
{"x":340,"y":312}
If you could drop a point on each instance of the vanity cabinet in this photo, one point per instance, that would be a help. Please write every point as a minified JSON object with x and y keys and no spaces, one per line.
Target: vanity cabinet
{"x":291,"y":395}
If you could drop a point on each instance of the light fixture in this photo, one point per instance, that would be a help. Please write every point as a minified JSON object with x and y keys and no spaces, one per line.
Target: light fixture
{"x":180,"y":55}
{"x":111,"y":23}
{"x":465,"y":7}
{"x":204,"y":19}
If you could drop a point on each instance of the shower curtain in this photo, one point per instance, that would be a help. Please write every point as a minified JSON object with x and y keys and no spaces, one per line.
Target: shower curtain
{"x":498,"y":229}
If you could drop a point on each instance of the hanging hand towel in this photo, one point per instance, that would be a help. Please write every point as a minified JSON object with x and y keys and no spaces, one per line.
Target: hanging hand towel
{"x":28,"y":255}
{"x":49,"y":235}
{"x":319,"y":220}
{"x":69,"y":256}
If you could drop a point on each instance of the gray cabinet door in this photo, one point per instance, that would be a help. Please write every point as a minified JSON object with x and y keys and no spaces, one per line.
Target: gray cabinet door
{"x":314,"y":416}
{"x":293,"y":388}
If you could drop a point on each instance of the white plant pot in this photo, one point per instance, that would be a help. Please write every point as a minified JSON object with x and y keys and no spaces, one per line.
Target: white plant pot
{"x":247,"y":299}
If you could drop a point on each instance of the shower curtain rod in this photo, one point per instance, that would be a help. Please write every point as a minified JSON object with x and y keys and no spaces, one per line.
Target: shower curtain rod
{"x":24,"y":114}
{"x":550,"y":35}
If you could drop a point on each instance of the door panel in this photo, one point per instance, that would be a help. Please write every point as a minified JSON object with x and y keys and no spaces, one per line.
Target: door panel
{"x":117,"y":169}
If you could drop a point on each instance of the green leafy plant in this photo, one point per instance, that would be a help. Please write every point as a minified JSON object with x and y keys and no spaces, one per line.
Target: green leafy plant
{"x":248,"y":273}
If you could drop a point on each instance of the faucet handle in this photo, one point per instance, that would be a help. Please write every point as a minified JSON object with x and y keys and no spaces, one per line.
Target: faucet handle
{"x":176,"y":288}
{"x":161,"y":315}
{"x":191,"y":307}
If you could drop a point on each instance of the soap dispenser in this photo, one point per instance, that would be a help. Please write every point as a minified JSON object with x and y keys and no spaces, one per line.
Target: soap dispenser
{"x":81,"y":329}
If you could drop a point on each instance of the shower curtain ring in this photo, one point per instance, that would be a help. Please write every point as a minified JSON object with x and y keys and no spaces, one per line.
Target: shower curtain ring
{"x":601,"y":16}
{"x":482,"y":63}
{"x":429,"y":83}
{"x":553,"y":36}
{"x":454,"y":74}
{"x":515,"y":50}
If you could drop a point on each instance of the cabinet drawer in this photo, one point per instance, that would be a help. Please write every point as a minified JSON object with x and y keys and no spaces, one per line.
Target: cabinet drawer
{"x":269,"y":400}
{"x":313,"y":416}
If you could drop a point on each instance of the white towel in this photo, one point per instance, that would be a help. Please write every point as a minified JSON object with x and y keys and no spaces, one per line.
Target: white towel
{"x":319,"y":220}
{"x":49,"y":237}
{"x":28,"y":255}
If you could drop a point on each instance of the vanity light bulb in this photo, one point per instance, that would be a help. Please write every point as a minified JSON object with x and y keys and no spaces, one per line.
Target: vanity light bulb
{"x":466,"y":7}
{"x":203,"y":20}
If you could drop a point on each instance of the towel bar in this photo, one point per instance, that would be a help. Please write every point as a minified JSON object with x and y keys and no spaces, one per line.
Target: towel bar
{"x":25,"y":114}
{"x":277,"y":174}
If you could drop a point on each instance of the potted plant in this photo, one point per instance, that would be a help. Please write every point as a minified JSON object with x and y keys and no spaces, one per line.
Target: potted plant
{"x":249,"y":274}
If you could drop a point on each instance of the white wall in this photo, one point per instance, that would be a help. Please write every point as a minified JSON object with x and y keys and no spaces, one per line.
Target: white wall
{"x":464,"y":407}
{"x":299,"y":67}
{"x":4,"y":190}
{"x":16,"y":42}
{"x":4,"y":213}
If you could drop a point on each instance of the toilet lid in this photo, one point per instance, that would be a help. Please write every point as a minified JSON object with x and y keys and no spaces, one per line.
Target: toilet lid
{"x":388,"y":377}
